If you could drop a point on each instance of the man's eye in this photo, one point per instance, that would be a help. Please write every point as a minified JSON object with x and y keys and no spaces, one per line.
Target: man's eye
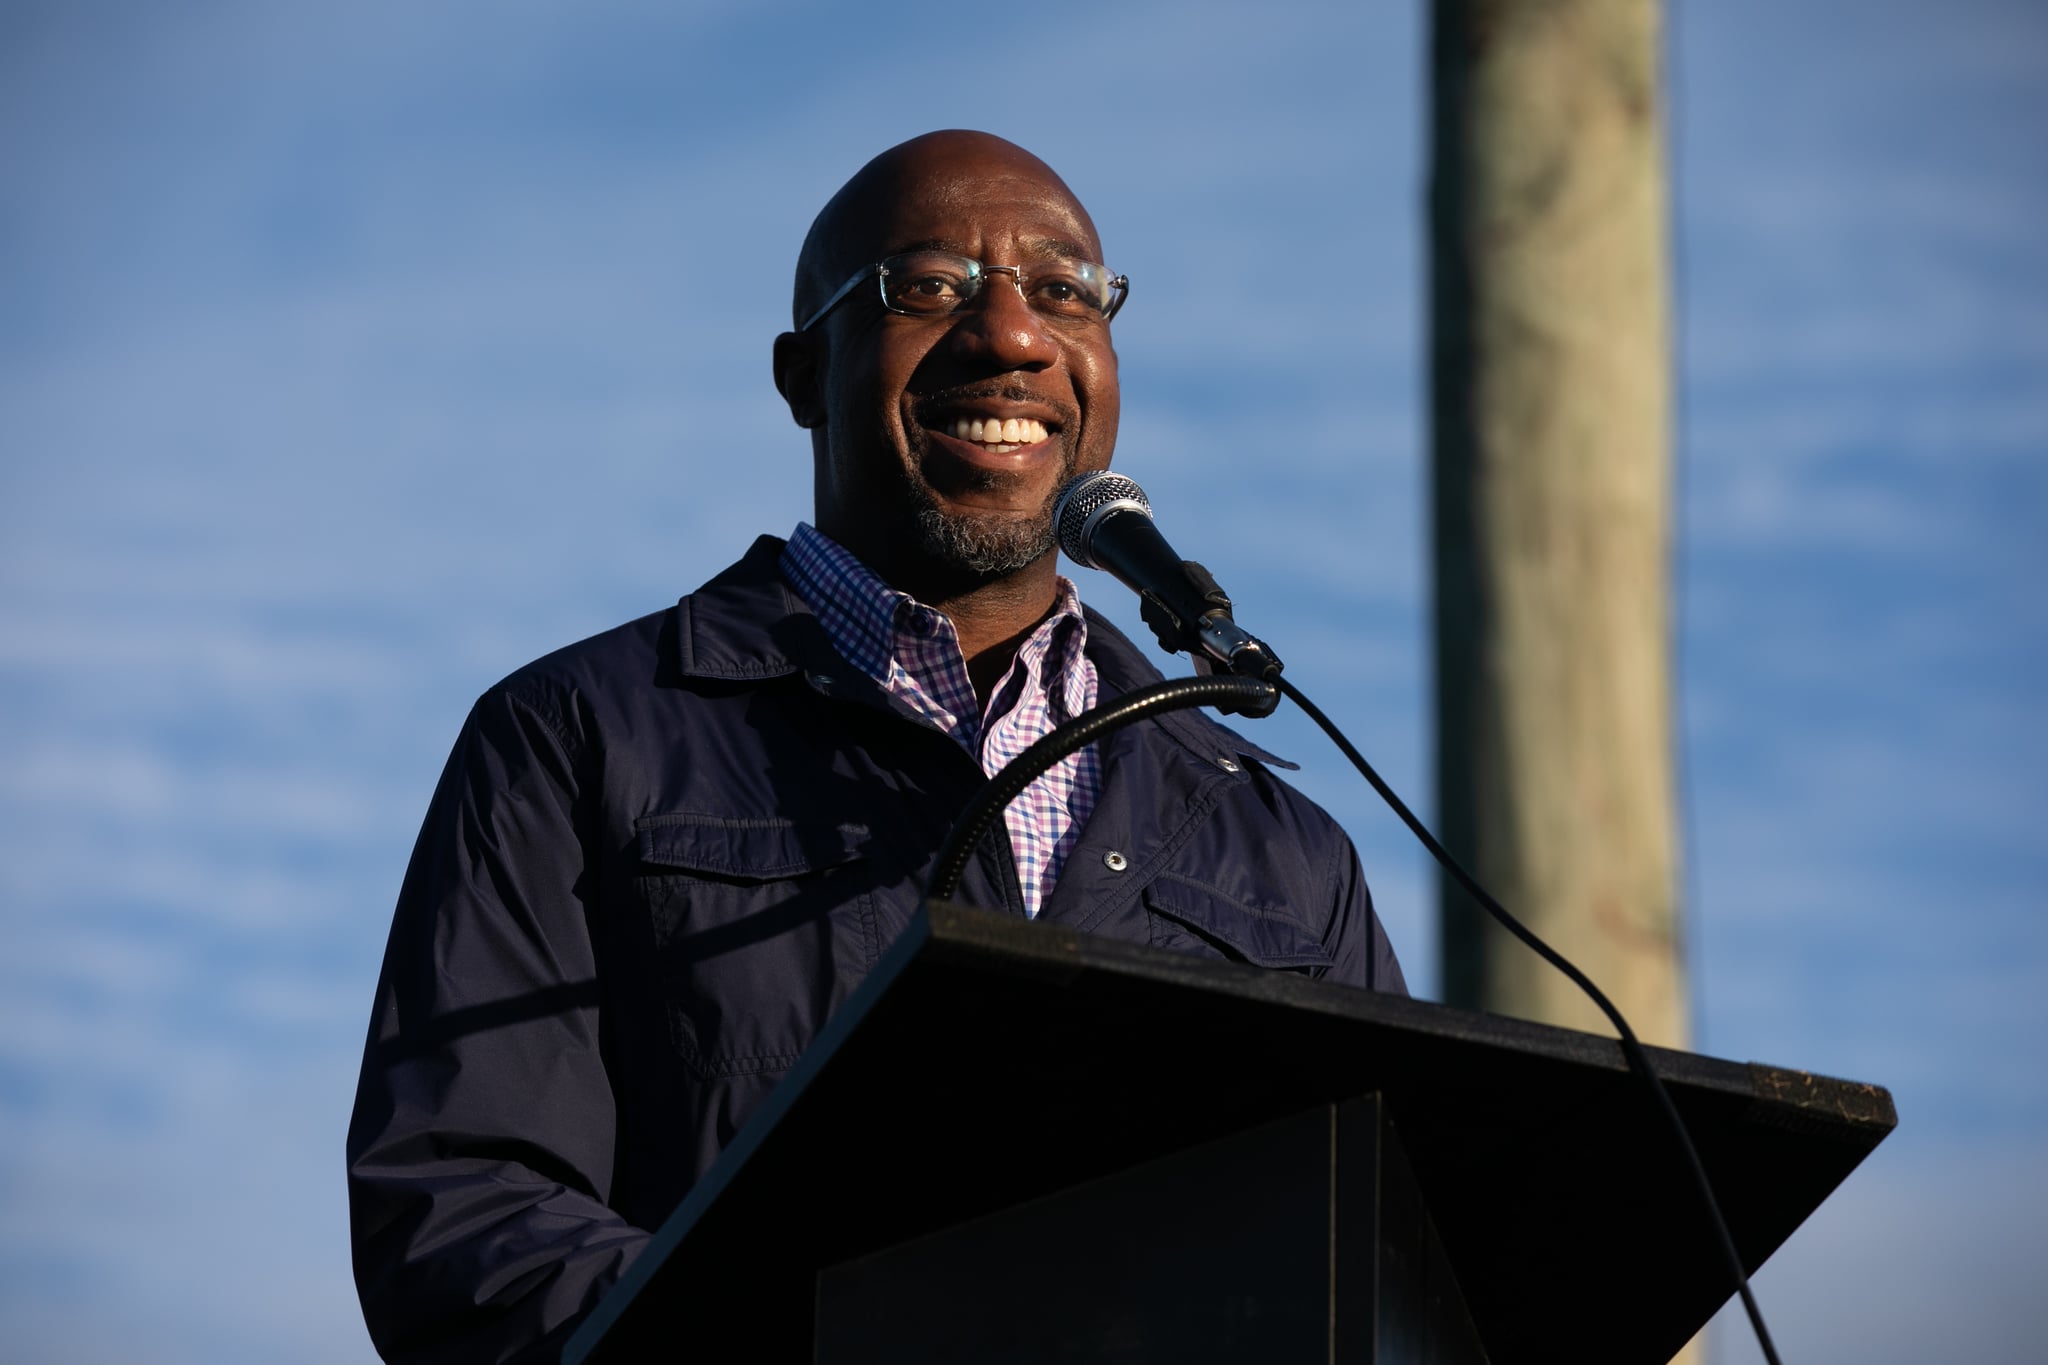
{"x":930,"y":292}
{"x":1062,"y":294}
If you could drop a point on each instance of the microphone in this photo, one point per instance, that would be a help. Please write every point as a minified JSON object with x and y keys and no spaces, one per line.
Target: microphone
{"x":1105,"y":522}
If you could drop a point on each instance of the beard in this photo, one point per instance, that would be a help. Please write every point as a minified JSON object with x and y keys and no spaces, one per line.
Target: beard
{"x":985,"y":545}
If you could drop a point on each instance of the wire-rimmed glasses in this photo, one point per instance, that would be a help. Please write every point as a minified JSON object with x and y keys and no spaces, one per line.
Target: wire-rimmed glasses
{"x":934,"y":283}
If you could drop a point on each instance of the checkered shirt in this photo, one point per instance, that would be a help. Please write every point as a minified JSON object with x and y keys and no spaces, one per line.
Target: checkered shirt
{"x":913,"y":652}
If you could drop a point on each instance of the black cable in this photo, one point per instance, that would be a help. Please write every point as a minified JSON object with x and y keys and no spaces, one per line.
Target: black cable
{"x":1244,"y":694}
{"x":1256,"y":696}
{"x":1632,"y":1050}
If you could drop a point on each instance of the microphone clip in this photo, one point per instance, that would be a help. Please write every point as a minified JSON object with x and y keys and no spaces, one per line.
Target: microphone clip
{"x":1212,"y":636}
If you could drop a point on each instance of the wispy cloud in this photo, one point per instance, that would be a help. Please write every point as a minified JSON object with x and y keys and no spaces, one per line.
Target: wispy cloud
{"x":350,"y":357}
{"x":1922,"y":1259}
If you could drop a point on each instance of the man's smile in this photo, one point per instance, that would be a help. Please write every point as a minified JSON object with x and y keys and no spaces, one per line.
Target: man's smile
{"x":999,"y":435}
{"x":990,"y":435}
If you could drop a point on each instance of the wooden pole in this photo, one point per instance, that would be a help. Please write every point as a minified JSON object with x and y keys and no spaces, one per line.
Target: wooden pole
{"x":1551,"y":412}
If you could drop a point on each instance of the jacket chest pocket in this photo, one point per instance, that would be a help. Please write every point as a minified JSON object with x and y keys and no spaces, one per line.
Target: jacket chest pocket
{"x":762,"y":926}
{"x":1187,"y":917}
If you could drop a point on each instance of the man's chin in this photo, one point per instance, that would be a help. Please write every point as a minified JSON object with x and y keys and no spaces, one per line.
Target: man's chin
{"x":991,"y":544}
{"x":984,"y":545}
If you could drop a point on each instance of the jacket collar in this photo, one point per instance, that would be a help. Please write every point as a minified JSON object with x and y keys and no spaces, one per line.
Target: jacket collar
{"x":749,"y":625}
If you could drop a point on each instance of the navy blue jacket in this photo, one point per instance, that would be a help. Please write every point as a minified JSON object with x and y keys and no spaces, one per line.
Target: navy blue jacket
{"x":656,"y":862}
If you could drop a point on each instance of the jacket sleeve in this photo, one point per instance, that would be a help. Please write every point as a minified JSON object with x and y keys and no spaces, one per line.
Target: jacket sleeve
{"x":1360,"y":951}
{"x":480,"y":1152}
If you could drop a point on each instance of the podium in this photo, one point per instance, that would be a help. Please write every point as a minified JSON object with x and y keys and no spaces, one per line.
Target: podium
{"x":1019,"y":1143}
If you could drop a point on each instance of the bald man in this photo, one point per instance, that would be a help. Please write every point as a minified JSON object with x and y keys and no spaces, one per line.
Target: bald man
{"x":659,"y":859}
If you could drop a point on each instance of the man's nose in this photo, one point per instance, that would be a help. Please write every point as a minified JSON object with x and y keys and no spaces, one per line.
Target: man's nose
{"x":1001,"y":330}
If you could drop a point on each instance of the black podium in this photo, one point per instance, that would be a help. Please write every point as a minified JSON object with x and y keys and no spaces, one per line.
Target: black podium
{"x":1017,"y":1143}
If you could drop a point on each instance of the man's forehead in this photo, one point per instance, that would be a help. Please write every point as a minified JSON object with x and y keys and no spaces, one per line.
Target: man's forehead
{"x":1024,"y":245}
{"x":962,"y":208}
{"x":953,"y":190}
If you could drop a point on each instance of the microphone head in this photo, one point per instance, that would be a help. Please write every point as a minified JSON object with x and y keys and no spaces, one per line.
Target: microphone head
{"x":1086,"y":502}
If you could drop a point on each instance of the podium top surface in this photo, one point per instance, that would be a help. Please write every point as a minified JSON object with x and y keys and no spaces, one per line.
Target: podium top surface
{"x":988,"y":1060}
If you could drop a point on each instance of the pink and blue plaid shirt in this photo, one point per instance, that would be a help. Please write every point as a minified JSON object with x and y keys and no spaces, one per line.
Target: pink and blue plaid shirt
{"x":913,"y":652}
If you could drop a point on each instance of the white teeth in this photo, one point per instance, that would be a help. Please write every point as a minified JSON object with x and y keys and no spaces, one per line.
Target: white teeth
{"x":1006,"y":434}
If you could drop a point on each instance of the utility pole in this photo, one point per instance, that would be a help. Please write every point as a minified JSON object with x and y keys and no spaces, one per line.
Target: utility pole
{"x":1551,"y":417}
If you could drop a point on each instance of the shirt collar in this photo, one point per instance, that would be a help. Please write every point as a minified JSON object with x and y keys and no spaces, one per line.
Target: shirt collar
{"x":749,"y":624}
{"x":856,"y":608}
{"x":866,"y":619}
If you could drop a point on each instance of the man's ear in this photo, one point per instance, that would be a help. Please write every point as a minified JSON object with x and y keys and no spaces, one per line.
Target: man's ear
{"x":800,"y":377}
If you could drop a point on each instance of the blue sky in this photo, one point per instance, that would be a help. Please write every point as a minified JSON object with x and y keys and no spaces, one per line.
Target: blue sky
{"x":352,"y":355}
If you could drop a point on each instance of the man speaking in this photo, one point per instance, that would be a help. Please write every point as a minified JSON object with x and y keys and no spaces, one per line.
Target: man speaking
{"x":659,"y":859}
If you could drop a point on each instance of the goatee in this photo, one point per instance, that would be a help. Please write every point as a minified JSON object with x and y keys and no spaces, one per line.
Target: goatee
{"x":986,"y":545}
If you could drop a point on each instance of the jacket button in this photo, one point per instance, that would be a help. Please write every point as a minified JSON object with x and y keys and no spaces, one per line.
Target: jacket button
{"x":1115,"y":861}
{"x":1227,"y":765}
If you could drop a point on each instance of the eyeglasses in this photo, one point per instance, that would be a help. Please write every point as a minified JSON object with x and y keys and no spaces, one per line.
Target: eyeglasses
{"x":934,"y":283}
